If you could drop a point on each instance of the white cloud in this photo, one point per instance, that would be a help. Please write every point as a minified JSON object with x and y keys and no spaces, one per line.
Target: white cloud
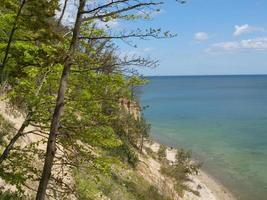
{"x":243,"y":29}
{"x":201,"y":36}
{"x":256,"y":44}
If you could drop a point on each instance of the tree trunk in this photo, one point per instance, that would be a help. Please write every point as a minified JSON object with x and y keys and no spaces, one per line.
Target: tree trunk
{"x":142,"y":143}
{"x":10,"y":39}
{"x":63,"y":12}
{"x":51,"y":144}
{"x":15,"y":138}
{"x":25,"y":124}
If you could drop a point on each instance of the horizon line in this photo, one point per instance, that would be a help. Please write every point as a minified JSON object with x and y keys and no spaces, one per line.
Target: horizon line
{"x":205,"y":75}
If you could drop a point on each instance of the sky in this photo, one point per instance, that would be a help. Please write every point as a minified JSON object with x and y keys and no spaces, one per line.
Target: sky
{"x":214,"y":37}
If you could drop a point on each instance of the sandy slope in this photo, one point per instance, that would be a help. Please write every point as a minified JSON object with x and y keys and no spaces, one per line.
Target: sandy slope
{"x":149,"y":168}
{"x":17,"y":119}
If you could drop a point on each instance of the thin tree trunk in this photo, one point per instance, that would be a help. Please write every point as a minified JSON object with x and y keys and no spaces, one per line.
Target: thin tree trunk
{"x":10,"y":39}
{"x":25,"y":124}
{"x":15,"y":138}
{"x":63,"y":12}
{"x":51,"y":144}
{"x":142,"y":143}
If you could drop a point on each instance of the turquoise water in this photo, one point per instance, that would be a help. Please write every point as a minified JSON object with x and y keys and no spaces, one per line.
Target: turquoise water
{"x":222,"y":119}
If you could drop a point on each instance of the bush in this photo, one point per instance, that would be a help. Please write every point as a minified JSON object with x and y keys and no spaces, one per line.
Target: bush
{"x":125,"y":153}
{"x":162,"y":152}
{"x":180,"y":171}
{"x":122,"y":184}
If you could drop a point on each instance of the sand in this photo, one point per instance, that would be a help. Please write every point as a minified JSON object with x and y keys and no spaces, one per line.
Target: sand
{"x":17,"y":119}
{"x":208,"y":187}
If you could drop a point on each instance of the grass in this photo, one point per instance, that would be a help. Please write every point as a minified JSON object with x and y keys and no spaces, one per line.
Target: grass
{"x":124,"y":183}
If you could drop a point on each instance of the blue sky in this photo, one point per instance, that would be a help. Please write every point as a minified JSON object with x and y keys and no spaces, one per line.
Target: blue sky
{"x":214,"y":37}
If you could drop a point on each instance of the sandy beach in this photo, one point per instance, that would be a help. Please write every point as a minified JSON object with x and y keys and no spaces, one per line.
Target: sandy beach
{"x":207,"y":186}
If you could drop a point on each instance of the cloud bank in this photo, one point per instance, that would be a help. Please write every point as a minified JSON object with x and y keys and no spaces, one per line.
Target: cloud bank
{"x":245,"y":29}
{"x":256,"y":44}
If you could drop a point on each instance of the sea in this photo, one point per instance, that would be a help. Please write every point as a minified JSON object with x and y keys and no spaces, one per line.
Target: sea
{"x":221,"y":119}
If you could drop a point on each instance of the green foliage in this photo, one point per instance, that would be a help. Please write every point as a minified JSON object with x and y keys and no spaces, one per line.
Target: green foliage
{"x":143,"y":127}
{"x":162,"y":152}
{"x":140,"y":189}
{"x":6,"y":129}
{"x":125,"y":153}
{"x":123,"y":183}
{"x":7,"y":195}
{"x":20,"y":169}
{"x":95,"y":133}
{"x":180,"y":171}
{"x":32,"y":28}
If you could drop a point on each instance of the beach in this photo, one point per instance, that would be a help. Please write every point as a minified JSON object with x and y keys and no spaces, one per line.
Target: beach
{"x":206,"y":185}
{"x":221,"y":119}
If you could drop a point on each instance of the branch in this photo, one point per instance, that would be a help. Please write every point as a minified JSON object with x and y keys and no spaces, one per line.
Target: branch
{"x":104,"y":6}
{"x":113,"y":13}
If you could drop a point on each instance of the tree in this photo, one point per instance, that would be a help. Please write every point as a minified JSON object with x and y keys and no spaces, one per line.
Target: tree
{"x":22,"y":33}
{"x":31,"y":53}
{"x":14,"y":27}
{"x":51,"y":144}
{"x":106,"y":11}
{"x":62,"y":12}
{"x":40,"y":64}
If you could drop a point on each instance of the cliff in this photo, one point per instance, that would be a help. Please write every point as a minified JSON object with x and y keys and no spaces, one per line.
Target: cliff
{"x":145,"y":181}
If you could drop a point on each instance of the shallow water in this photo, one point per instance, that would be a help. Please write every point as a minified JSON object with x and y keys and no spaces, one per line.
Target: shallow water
{"x":222,"y":119}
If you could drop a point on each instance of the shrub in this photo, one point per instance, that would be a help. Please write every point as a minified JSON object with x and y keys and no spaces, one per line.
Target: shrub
{"x":162,"y":152}
{"x":180,"y":171}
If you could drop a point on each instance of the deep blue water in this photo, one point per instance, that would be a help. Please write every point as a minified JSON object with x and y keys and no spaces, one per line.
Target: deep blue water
{"x":222,"y":119}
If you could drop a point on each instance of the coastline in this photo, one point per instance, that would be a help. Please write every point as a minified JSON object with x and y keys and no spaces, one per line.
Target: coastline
{"x":208,"y":187}
{"x":216,"y":188}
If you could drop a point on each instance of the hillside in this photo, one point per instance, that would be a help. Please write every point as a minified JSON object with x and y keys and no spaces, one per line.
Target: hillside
{"x":145,"y":181}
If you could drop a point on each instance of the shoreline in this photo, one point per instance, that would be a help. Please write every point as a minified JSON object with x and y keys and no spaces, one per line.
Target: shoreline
{"x":218,"y":189}
{"x":209,"y":187}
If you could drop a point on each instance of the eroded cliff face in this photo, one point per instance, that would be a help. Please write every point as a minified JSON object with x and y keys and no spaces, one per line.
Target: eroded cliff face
{"x":148,"y":169}
{"x":60,"y":172}
{"x":131,"y":107}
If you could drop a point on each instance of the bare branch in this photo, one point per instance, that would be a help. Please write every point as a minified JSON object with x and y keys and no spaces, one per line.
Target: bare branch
{"x":119,"y":11}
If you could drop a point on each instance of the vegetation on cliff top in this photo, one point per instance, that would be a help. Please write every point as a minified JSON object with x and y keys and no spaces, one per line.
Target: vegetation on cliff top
{"x":68,"y":81}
